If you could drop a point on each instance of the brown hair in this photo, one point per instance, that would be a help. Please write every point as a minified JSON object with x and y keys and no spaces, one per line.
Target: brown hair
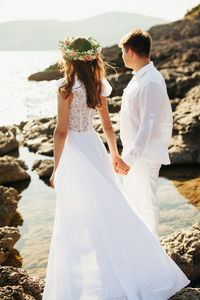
{"x":139,"y":41}
{"x":90,"y":73}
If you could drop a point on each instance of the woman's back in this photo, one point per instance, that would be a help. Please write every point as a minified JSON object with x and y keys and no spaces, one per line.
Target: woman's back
{"x":80,"y":115}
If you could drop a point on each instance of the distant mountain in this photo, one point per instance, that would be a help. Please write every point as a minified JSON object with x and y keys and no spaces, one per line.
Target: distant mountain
{"x":44,"y":35}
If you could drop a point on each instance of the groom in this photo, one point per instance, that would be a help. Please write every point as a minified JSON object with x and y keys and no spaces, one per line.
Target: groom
{"x":145,"y":128}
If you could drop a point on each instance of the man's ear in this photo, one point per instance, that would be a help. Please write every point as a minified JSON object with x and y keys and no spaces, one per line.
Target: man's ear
{"x":131,"y":52}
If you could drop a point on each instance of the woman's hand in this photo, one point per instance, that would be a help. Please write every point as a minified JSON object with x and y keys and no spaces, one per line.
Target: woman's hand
{"x":51,"y":180}
{"x":115,"y":161}
{"x":120,"y":166}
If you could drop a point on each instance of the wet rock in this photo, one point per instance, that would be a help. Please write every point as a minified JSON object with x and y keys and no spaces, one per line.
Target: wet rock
{"x":12,"y":169}
{"x":44,"y":168}
{"x":37,"y":135}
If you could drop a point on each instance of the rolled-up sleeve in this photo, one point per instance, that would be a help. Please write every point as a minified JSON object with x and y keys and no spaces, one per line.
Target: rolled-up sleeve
{"x":150,"y":106}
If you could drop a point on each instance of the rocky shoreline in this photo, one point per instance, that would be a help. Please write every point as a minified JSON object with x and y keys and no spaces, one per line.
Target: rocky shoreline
{"x":176,"y":52}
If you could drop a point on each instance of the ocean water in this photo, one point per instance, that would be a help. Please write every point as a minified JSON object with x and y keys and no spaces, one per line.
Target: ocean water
{"x":22,"y":100}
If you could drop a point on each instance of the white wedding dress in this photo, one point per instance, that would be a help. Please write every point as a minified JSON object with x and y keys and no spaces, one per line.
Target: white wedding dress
{"x":100,"y":249}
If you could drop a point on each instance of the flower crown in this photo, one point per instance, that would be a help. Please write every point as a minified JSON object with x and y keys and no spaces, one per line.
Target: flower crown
{"x":81,"y":48}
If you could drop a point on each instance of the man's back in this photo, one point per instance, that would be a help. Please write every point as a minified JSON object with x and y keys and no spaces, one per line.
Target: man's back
{"x":146,"y":115}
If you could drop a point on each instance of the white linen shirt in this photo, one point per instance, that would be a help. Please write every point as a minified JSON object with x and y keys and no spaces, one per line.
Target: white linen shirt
{"x":146,"y":117}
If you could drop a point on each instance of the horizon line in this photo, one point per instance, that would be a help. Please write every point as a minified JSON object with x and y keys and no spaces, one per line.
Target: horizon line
{"x":86,"y":18}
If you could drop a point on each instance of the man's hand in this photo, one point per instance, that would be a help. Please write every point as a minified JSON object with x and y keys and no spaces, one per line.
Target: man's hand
{"x":120,"y":166}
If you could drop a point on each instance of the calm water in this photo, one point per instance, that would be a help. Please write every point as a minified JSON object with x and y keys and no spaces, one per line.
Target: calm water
{"x":37,"y":205}
{"x":29,"y":99}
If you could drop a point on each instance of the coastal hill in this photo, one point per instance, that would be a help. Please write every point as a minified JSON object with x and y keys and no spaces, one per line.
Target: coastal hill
{"x":107,"y":28}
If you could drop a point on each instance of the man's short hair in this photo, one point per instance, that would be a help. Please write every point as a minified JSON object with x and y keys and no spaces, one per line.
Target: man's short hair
{"x":137,"y":40}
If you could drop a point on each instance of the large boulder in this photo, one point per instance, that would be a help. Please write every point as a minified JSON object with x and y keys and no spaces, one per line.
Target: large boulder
{"x":44,"y":168}
{"x":12,"y":169}
{"x":50,"y":73}
{"x":37,"y":135}
{"x":184,"y":248}
{"x":185,"y":146}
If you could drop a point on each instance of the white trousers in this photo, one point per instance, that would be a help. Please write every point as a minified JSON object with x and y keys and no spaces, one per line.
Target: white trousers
{"x":140,"y":186}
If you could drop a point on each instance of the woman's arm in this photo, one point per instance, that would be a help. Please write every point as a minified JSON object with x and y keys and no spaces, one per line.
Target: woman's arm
{"x":107,"y":128}
{"x":110,"y":137}
{"x":60,"y":132}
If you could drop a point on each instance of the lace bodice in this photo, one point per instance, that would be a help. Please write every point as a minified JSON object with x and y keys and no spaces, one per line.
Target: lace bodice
{"x":80,"y":115}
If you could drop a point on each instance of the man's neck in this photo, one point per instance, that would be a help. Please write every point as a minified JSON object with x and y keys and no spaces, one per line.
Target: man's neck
{"x":139,"y":65}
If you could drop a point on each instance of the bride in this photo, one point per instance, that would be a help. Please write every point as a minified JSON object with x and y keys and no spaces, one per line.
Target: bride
{"x":100,"y":249}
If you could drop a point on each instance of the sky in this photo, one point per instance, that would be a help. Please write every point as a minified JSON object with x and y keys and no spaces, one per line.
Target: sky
{"x":67,"y":10}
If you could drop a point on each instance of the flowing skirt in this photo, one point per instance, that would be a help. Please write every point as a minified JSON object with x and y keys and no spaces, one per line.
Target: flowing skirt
{"x":100,"y":249}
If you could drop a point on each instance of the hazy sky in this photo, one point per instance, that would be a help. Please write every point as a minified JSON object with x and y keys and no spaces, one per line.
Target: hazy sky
{"x":79,"y":9}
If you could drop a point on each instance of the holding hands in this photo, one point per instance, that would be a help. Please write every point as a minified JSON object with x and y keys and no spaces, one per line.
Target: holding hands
{"x":120,"y":166}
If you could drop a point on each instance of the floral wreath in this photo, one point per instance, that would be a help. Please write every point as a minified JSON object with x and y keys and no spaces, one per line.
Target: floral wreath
{"x":71,"y":54}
